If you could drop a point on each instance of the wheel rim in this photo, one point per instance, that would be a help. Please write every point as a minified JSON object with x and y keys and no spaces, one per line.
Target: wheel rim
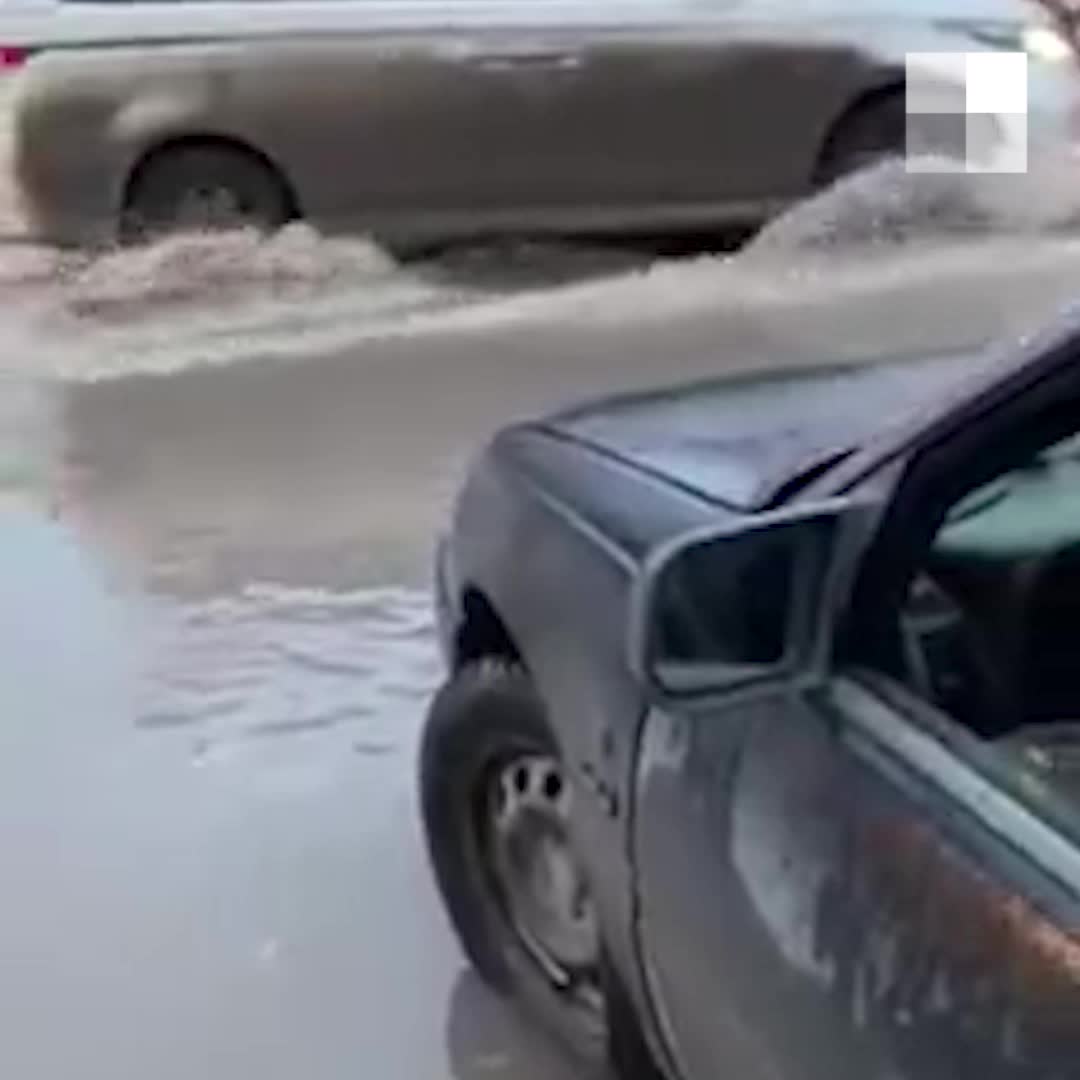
{"x":530,"y":856}
{"x":212,"y":206}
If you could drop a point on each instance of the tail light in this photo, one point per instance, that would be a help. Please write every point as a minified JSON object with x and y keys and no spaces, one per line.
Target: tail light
{"x":12,"y":57}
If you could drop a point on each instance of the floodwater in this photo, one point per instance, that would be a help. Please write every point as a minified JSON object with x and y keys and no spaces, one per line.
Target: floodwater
{"x":222,"y":465}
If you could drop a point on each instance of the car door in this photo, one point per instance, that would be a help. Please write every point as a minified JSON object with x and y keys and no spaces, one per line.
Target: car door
{"x":841,"y":881}
{"x":829,"y":891}
{"x":670,"y":112}
{"x":484,"y":113}
{"x":949,"y":924}
{"x":738,"y":830}
{"x":402,"y":117}
{"x":550,"y":113}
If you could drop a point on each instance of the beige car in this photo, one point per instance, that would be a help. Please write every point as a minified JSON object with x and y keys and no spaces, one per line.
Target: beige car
{"x":417,"y":120}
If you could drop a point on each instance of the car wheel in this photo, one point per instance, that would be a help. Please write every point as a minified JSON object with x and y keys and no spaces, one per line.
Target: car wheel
{"x":867,"y":134}
{"x":204,"y":188}
{"x":496,"y":806}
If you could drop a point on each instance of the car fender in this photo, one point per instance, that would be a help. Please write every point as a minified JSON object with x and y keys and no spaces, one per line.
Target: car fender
{"x":177,"y":109}
{"x":562,"y":591}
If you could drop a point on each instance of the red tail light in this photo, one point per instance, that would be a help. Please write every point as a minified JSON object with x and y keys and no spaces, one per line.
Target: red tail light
{"x":12,"y":56}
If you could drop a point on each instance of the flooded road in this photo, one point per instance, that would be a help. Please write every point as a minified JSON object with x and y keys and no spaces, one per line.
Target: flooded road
{"x":223,"y":465}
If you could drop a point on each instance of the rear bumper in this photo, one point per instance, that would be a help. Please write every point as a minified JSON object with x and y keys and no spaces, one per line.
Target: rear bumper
{"x":67,"y":171}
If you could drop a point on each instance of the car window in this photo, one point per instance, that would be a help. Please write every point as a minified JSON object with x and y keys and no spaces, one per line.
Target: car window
{"x":1026,"y":512}
{"x":990,"y":624}
{"x":989,"y":618}
{"x":988,"y":631}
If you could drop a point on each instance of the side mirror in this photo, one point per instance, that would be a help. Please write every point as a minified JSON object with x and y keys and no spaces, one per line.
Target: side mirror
{"x":732,"y":605}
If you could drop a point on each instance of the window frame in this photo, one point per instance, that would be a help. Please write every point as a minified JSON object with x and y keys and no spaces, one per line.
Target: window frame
{"x":980,"y":441}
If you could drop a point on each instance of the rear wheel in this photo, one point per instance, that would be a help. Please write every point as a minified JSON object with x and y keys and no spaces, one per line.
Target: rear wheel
{"x":204,"y":187}
{"x":496,"y":805}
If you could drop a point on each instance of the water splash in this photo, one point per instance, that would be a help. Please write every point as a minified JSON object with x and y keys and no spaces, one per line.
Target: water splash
{"x":211,"y":300}
{"x":221,"y":271}
{"x":891,"y":205}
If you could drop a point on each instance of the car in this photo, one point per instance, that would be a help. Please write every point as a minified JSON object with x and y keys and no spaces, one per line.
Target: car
{"x":426,"y":121}
{"x":758,"y":752}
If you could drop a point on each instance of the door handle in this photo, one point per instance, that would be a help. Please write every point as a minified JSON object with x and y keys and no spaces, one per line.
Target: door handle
{"x":528,"y":59}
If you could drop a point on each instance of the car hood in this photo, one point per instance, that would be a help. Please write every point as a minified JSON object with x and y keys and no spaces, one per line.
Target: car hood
{"x":747,"y":442}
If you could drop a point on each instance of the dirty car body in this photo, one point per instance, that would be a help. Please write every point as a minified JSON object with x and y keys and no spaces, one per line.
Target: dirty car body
{"x":418,"y":120}
{"x":805,"y":868}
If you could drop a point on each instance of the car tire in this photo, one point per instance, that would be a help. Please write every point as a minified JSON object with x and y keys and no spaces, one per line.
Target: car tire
{"x":207,"y":188}
{"x":483,"y":725}
{"x":866,"y":135}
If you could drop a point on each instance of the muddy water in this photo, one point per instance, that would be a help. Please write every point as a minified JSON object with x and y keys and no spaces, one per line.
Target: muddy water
{"x":223,"y":462}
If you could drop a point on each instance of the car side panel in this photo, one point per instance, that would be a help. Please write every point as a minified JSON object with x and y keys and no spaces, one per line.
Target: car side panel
{"x":560,"y":582}
{"x":369,"y":131}
{"x":727,"y":112}
{"x":539,"y":117}
{"x":563,"y":600}
{"x":734,"y":831}
{"x":648,"y":122}
{"x":401,"y":133}
{"x":814,"y":909}
{"x":951,"y":923}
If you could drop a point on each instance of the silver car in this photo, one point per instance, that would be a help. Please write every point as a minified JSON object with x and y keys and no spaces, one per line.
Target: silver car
{"x":417,"y":119}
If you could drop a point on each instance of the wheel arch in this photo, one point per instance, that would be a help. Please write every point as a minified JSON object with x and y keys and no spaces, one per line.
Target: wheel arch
{"x":482,"y":632}
{"x":636,"y":1044}
{"x":891,"y":85}
{"x":162,"y":147}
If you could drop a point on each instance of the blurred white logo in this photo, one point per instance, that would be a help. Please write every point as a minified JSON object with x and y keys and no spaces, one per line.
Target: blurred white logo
{"x":967,"y":112}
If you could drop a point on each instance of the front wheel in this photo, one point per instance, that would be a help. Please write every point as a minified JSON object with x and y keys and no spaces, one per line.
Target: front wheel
{"x":204,"y":188}
{"x":496,"y":804}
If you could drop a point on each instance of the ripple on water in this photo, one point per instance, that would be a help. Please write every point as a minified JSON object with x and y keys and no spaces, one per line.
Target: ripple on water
{"x":274,"y":662}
